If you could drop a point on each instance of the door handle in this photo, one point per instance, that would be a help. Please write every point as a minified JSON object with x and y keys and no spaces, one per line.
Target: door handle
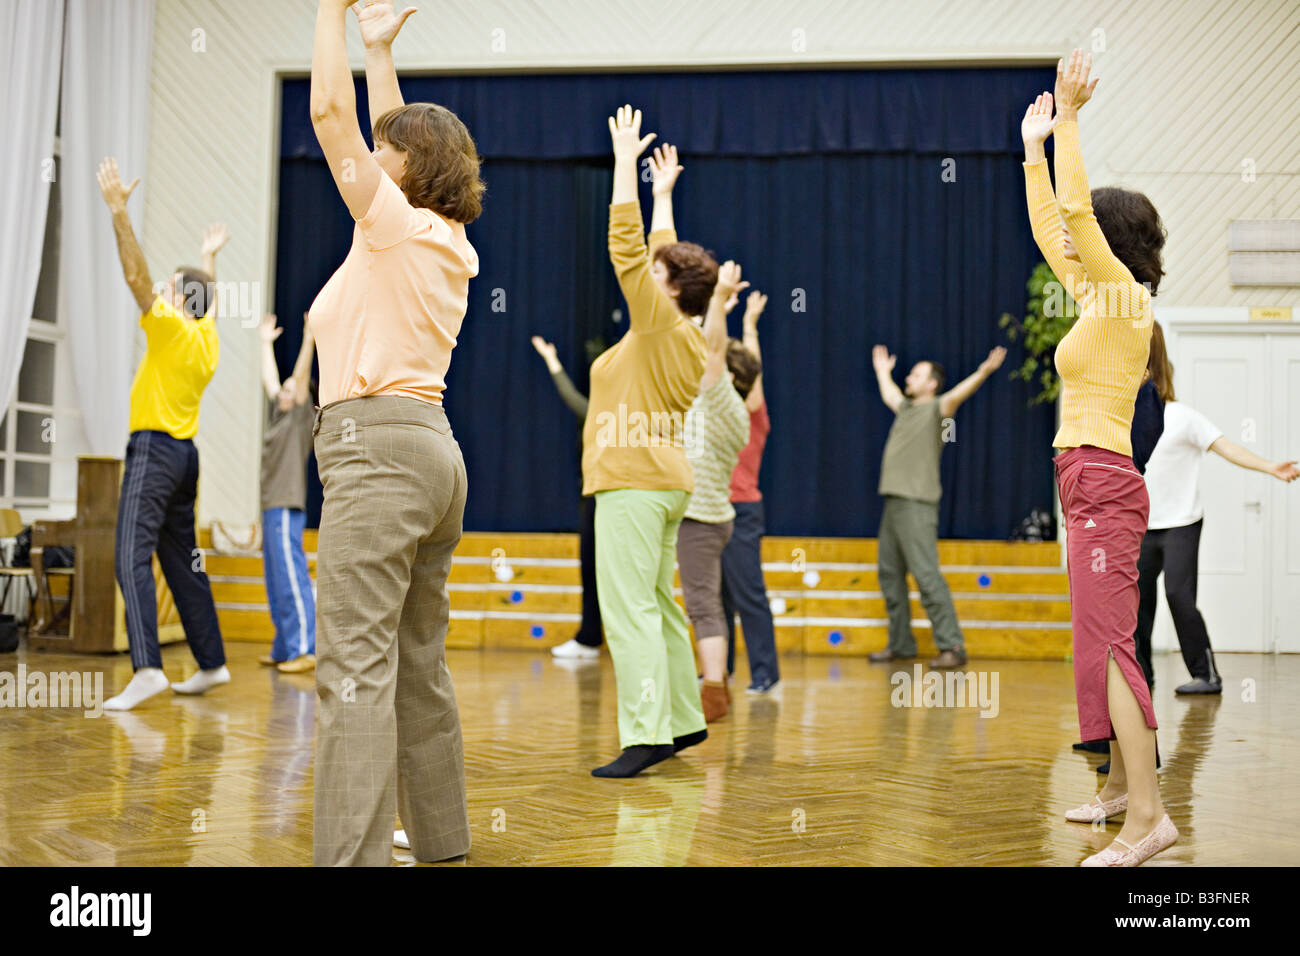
{"x":1254,"y":506}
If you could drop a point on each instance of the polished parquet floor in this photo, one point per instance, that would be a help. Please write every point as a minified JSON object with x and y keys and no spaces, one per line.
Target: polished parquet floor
{"x":832,"y":773}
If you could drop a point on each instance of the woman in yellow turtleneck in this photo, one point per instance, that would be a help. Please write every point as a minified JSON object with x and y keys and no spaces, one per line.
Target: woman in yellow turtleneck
{"x":1105,"y":247}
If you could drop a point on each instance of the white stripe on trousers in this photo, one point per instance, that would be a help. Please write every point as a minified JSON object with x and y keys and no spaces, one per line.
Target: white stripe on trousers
{"x":292,"y":569}
{"x":133,"y":598}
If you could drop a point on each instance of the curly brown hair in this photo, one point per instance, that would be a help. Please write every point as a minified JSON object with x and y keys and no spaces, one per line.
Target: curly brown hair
{"x":744,"y":366}
{"x":693,"y":271}
{"x":1133,"y":230}
{"x":442,"y":163}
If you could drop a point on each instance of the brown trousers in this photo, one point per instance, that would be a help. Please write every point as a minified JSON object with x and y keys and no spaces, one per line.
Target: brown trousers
{"x":388,"y":731}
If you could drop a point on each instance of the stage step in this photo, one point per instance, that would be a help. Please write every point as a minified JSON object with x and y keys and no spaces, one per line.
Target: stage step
{"x":525,"y":591}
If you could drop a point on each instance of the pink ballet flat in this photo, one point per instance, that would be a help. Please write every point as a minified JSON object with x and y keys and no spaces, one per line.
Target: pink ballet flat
{"x":1098,"y":809}
{"x":1161,"y":838}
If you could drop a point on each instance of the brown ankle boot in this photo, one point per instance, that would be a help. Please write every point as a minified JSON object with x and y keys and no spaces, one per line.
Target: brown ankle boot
{"x":713,"y":697}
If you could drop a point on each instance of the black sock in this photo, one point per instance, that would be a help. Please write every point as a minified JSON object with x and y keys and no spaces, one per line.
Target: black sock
{"x":634,"y":759}
{"x":688,"y":740}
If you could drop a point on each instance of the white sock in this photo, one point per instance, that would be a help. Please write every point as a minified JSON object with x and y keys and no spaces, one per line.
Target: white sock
{"x":147,"y":682}
{"x":203,"y":681}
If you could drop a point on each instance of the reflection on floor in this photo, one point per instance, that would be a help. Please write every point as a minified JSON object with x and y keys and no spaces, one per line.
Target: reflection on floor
{"x":832,"y":773}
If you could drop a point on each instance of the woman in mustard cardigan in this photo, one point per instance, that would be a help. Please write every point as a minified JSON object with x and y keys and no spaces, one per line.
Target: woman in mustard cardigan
{"x":1105,"y":247}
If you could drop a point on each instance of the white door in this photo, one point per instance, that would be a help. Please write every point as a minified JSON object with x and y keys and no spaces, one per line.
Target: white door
{"x":1225,"y":377}
{"x":1283,"y":501}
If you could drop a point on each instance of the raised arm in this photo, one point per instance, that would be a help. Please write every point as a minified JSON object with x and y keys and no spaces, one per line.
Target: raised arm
{"x":334,"y":111}
{"x":664,"y":171}
{"x":649,"y":309}
{"x":134,"y":267}
{"x":379,"y":27}
{"x":754,"y":307}
{"x":1282,"y":471}
{"x":1044,"y":212}
{"x":576,"y":401}
{"x":883,"y":363}
{"x":214,"y":238}
{"x":302,"y":367}
{"x":728,"y":286}
{"x":952,"y":399}
{"x":268,"y":332}
{"x":1116,"y":285}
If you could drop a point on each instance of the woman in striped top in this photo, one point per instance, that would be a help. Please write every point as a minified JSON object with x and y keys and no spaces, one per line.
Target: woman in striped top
{"x":1105,"y":246}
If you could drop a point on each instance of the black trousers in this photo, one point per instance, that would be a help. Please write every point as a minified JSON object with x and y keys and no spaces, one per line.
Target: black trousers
{"x":590,"y":632}
{"x":155,"y":514}
{"x":1174,"y":551}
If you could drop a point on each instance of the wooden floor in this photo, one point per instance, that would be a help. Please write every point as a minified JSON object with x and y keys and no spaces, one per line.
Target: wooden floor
{"x":830,"y":774}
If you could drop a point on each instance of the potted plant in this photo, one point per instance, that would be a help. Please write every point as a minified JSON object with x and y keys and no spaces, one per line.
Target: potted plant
{"x":1050,"y":312}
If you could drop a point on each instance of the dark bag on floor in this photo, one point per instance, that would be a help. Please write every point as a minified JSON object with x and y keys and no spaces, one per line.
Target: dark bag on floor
{"x":8,"y":634}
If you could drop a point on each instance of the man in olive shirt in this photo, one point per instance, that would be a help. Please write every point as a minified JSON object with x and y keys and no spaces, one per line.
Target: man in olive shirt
{"x":909,"y":482}
{"x":286,"y":446}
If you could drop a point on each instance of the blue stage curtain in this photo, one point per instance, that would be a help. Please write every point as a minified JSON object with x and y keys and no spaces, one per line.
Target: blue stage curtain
{"x":828,"y":187}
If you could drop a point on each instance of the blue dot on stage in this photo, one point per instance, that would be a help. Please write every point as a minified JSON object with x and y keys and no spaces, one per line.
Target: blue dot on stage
{"x":835,"y":637}
{"x":985,"y":580}
{"x":537,"y":631}
{"x":516,"y":597}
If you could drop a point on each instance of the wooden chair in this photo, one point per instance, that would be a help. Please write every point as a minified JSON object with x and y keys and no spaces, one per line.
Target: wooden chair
{"x":11,"y":525}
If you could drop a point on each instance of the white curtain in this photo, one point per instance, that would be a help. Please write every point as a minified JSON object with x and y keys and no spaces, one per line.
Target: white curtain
{"x":30,"y":33}
{"x":106,"y":62}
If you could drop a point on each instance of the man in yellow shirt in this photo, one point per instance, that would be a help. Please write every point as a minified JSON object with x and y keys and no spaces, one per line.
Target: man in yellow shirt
{"x":160,"y":481}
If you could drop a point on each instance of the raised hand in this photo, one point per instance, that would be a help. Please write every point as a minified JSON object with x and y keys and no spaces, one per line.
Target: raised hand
{"x":729,"y":281}
{"x":379,"y":23}
{"x":214,"y":237}
{"x":267,"y":330}
{"x":110,"y":184}
{"x":625,"y":134}
{"x":882,"y":361}
{"x":1038,"y":122}
{"x":1285,"y":471}
{"x":1072,"y":86}
{"x":754,"y":306}
{"x":664,"y":169}
{"x":994,"y":361}
{"x":547,"y":351}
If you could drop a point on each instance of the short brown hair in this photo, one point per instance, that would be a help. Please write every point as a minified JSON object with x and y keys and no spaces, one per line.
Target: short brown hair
{"x":442,"y":163}
{"x":1158,"y":364}
{"x":694,"y":271}
{"x":744,"y":366}
{"x":198,"y":290}
{"x":938,"y":374}
{"x":1133,"y":231}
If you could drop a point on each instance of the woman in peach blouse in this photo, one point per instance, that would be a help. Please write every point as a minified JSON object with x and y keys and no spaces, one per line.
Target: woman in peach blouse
{"x":385,"y":326}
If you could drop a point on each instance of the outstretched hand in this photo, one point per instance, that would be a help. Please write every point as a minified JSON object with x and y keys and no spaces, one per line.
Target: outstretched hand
{"x":214,"y":237}
{"x":664,"y":169}
{"x":267,"y":330}
{"x":994,"y":361}
{"x":625,"y":133}
{"x":379,"y":23}
{"x":1072,"y":86}
{"x":1039,"y":121}
{"x":547,"y":351}
{"x":110,"y":184}
{"x":882,"y":361}
{"x":729,"y":281}
{"x":754,"y":306}
{"x":1285,"y":471}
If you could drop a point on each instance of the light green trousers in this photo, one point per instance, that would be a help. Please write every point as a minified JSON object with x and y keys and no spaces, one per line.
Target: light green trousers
{"x":649,"y":641}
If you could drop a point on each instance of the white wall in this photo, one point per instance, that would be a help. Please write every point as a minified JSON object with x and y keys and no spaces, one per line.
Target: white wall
{"x":1190,"y":90}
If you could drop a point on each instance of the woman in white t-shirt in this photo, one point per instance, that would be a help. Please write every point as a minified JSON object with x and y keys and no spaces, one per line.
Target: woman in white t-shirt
{"x":1174,"y":527}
